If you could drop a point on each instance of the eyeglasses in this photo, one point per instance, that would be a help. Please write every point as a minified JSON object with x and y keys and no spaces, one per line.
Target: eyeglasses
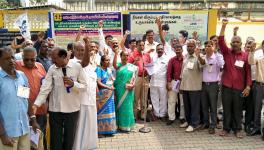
{"x":27,"y":59}
{"x":29,"y":44}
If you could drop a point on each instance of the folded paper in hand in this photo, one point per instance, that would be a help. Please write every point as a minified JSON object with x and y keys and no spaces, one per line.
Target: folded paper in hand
{"x":175,"y":85}
{"x":150,"y":68}
{"x":34,"y":137}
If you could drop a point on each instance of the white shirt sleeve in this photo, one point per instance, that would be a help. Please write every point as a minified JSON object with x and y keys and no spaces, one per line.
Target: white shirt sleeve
{"x":45,"y":89}
{"x":102,"y":43}
{"x":81,"y":83}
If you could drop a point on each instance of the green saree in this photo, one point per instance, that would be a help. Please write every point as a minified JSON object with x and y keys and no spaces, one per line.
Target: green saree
{"x":124,"y":98}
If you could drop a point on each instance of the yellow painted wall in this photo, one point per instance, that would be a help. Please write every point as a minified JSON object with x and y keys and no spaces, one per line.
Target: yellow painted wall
{"x":38,"y":19}
{"x":212,"y":22}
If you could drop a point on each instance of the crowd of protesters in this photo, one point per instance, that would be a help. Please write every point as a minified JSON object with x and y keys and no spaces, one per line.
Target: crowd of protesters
{"x":96,"y":88}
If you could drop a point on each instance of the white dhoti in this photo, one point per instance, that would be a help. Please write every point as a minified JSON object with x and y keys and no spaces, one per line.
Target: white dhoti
{"x":159,"y":100}
{"x":86,"y":132}
{"x":86,"y":137}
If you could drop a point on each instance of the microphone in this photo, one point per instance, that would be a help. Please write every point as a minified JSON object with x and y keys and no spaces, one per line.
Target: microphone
{"x":64,"y":71}
{"x":65,"y":74}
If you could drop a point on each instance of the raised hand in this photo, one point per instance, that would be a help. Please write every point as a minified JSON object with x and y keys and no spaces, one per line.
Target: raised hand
{"x":100,"y":24}
{"x":195,"y":35}
{"x":127,"y":32}
{"x":235,"y":29}
{"x":82,"y":27}
{"x":224,"y":21}
{"x":158,"y":21}
{"x":197,"y":52}
{"x":87,"y":39}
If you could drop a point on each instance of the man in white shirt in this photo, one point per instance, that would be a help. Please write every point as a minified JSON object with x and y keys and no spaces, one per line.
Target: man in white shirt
{"x":104,"y":41}
{"x":78,"y":51}
{"x":183,"y":36}
{"x":158,"y":91}
{"x":86,"y":132}
{"x":64,"y":82}
{"x":150,"y":44}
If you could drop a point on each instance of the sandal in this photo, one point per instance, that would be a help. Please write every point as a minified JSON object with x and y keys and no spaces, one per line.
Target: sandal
{"x":239,"y":134}
{"x":223,"y":133}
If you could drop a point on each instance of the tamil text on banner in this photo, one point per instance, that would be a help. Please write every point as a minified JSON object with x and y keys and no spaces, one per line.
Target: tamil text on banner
{"x":190,"y":21}
{"x":22,"y":23}
{"x":65,"y":25}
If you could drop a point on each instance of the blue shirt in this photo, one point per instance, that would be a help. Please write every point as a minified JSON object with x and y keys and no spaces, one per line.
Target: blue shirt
{"x":13,"y":109}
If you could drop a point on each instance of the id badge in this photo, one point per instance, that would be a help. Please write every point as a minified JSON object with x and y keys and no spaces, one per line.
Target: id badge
{"x":239,"y":63}
{"x":130,"y":68}
{"x":23,"y":92}
{"x":210,"y":68}
{"x":190,"y":65}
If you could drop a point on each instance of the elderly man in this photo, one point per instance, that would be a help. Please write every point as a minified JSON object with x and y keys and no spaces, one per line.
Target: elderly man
{"x":78,"y":51}
{"x":236,"y":82}
{"x":191,"y":85}
{"x":35,"y":73}
{"x":86,"y":132}
{"x":250,"y":100}
{"x":158,"y":91}
{"x":14,"y":124}
{"x":256,"y":57}
{"x":64,"y":82}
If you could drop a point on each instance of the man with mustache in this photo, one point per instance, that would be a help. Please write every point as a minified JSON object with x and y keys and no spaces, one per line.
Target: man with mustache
{"x":236,"y":81}
{"x":158,"y":91}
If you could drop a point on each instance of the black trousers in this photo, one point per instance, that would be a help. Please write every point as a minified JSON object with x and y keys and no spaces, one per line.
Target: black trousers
{"x":249,"y":105}
{"x":209,"y":103}
{"x":62,"y":130}
{"x":232,"y":107}
{"x":191,"y":100}
{"x":258,"y":105}
{"x":42,"y":121}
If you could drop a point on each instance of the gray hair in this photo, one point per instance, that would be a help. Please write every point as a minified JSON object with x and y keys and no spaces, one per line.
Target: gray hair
{"x":6,"y":49}
{"x":191,"y":41}
{"x":29,"y":49}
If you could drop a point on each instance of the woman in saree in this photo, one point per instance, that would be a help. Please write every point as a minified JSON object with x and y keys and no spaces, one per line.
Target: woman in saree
{"x":124,"y":85}
{"x":106,"y":118}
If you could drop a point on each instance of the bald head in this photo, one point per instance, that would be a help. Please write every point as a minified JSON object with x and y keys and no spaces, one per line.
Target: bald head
{"x":236,"y":38}
{"x":78,"y":50}
{"x":236,"y":43}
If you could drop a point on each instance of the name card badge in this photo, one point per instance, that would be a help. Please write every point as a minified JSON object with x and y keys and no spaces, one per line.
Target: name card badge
{"x":130,"y":68}
{"x":23,"y":92}
{"x":239,"y":63}
{"x":190,"y":65}
{"x":210,"y":68}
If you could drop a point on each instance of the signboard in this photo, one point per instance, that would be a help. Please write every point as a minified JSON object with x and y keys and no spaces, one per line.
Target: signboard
{"x":65,"y":25}
{"x":190,"y":21}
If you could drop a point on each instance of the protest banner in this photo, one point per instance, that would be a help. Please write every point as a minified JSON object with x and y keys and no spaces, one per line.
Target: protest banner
{"x":65,"y":25}
{"x":190,"y":21}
